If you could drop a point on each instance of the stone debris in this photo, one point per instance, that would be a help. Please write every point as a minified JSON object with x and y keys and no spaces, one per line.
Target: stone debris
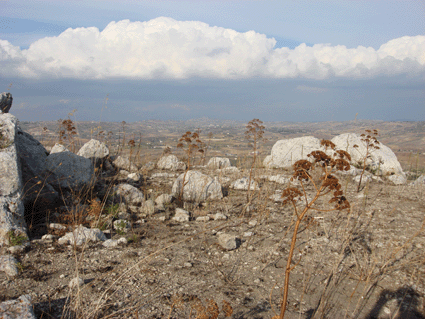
{"x":20,"y":308}
{"x":227,"y":241}
{"x":181,"y":215}
{"x":130,"y":194}
{"x":218,"y":163}
{"x":82,"y":235}
{"x":135,"y":177}
{"x":58,"y":148}
{"x":8,"y":264}
{"x":76,"y":282}
{"x":125,"y":164}
{"x":162,"y":200}
{"x":242,"y":184}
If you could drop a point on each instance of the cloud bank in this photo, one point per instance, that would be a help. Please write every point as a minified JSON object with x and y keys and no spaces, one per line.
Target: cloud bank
{"x":164,"y":48}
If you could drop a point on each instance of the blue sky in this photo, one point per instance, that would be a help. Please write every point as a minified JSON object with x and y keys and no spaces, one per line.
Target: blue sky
{"x":226,"y":59}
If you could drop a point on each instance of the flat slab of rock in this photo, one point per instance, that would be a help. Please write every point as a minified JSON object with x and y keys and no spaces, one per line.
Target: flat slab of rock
{"x":82,"y":235}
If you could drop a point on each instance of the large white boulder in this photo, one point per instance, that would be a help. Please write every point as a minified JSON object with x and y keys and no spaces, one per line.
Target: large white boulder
{"x":218,"y":163}
{"x":170,"y":162}
{"x":286,"y":152}
{"x":383,"y":159}
{"x":197,"y":187}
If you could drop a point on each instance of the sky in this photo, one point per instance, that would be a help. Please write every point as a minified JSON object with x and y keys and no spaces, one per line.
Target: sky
{"x":275,"y":60}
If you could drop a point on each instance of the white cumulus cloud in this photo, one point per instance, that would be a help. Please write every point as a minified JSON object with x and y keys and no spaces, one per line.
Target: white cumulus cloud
{"x":166,"y":48}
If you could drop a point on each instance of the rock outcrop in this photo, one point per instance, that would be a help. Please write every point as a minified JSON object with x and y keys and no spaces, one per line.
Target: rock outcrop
{"x":197,"y":187}
{"x":11,"y":205}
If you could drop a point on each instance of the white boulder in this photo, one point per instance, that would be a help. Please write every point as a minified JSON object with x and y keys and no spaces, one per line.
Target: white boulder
{"x":242,"y":184}
{"x":94,"y":149}
{"x":170,"y":162}
{"x":197,"y":187}
{"x":382,"y":159}
{"x":218,"y":163}
{"x":286,"y":152}
{"x":131,"y":195}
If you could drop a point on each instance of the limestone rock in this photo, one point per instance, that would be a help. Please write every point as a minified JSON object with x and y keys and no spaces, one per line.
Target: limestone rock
{"x":135,"y":177}
{"x":82,"y":235}
{"x":125,"y":164}
{"x":8,"y":264}
{"x":227,"y":241}
{"x":148,"y":167}
{"x":148,"y":207}
{"x":58,"y":148}
{"x":399,"y":179}
{"x":286,"y":152}
{"x":181,"y":215}
{"x":197,"y":187}
{"x":131,"y":195}
{"x":383,"y":159}
{"x":162,"y":200}
{"x":420,"y":181}
{"x":20,"y":308}
{"x":11,"y":205}
{"x":170,"y":162}
{"x":70,"y":170}
{"x":94,"y":150}
{"x":242,"y":184}
{"x":218,"y":163}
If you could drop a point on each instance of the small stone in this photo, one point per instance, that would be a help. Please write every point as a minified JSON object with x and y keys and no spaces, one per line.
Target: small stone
{"x":77,"y":281}
{"x":122,"y":240}
{"x":248,"y":234}
{"x":220,"y":216}
{"x":187,"y":265}
{"x":181,"y":215}
{"x":57,"y":226}
{"x":252,"y":222}
{"x":161,"y":218}
{"x":202,"y":218}
{"x":227,"y":241}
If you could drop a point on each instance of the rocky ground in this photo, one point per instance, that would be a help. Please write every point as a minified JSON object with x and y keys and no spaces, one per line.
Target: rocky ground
{"x":367,"y":262}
